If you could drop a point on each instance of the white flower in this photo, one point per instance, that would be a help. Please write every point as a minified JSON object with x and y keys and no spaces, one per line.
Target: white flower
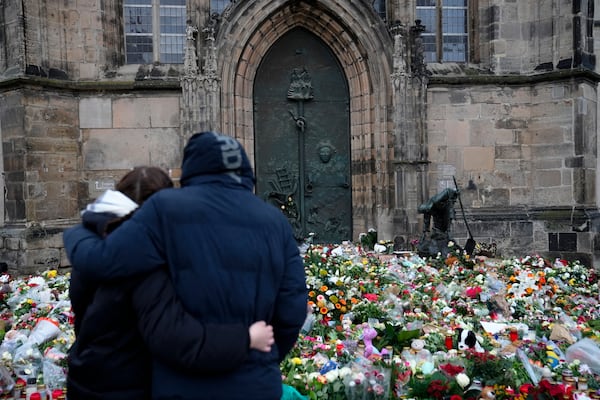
{"x":344,"y":371}
{"x":332,"y":375}
{"x":585,"y":369}
{"x":463,"y":380}
{"x":313,"y":375}
{"x":36,"y":280}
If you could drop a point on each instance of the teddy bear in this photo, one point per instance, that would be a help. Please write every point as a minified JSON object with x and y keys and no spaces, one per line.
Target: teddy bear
{"x":468,"y":340}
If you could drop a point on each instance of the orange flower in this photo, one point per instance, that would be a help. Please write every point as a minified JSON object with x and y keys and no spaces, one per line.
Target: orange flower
{"x":311,"y":293}
{"x":324,"y":288}
{"x":343,"y":301}
{"x":323,"y":310}
{"x":311,"y":303}
{"x":338,"y":305}
{"x":353,"y":300}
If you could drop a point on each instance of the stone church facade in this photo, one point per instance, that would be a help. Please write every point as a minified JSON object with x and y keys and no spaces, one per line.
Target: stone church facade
{"x":353,"y":112}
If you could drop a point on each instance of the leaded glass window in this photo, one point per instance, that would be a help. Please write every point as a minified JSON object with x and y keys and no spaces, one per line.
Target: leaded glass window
{"x":446,"y":29}
{"x":154,"y":31}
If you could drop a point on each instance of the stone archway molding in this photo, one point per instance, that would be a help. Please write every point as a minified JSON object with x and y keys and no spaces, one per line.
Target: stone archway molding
{"x":363,"y":46}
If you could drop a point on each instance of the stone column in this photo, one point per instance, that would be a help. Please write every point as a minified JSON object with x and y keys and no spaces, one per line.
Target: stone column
{"x":409,"y":79}
{"x":200,"y":89}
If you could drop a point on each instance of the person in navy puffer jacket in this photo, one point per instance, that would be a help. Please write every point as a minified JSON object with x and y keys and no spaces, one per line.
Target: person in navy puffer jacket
{"x":232,"y":258}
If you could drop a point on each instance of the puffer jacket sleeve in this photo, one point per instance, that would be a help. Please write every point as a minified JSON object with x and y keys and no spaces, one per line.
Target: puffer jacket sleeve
{"x":178,"y":339}
{"x":130,"y":250}
{"x":290,"y":306}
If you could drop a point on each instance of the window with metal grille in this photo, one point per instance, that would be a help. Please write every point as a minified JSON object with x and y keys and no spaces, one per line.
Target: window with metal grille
{"x":154,"y":31}
{"x":446,"y":36}
{"x":218,"y":6}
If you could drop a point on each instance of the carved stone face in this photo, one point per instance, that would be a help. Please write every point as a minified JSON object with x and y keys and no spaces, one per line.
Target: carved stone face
{"x":325,"y":153}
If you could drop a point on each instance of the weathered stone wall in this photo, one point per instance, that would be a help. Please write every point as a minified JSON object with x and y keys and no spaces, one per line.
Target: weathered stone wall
{"x":516,"y":37}
{"x":12,"y":112}
{"x":62,"y":150}
{"x":41,"y":176}
{"x":121,"y":132}
{"x":11,"y":38}
{"x":511,"y":140}
{"x":528,"y":36}
{"x":51,"y":168}
{"x":526,"y":155}
{"x":517,"y":125}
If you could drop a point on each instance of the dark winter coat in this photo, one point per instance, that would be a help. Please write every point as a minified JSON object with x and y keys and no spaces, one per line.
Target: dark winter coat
{"x":232,"y":258}
{"x":118,"y":323}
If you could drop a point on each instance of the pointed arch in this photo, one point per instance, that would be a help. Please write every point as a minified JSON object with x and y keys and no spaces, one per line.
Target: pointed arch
{"x":363,"y":46}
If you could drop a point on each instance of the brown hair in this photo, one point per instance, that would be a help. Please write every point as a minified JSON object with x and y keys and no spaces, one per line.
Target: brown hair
{"x":139,"y":184}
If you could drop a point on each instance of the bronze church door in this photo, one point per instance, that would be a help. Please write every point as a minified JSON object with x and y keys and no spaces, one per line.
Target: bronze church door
{"x":302,"y":136}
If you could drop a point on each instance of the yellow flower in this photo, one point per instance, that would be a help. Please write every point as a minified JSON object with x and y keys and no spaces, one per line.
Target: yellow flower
{"x":296,"y":360}
{"x":52,"y":273}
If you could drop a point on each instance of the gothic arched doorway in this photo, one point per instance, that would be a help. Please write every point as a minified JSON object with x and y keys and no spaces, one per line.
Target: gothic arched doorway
{"x":302,"y":136}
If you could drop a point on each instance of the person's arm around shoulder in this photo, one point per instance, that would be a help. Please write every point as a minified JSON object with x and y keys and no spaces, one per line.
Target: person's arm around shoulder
{"x":130,"y":250}
{"x":178,"y":339}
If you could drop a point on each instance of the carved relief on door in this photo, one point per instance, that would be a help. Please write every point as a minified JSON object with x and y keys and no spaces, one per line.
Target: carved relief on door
{"x":302,"y":144}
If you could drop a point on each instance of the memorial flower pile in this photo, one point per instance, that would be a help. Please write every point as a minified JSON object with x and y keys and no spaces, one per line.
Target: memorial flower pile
{"x":384,"y":325}
{"x":36,"y":328}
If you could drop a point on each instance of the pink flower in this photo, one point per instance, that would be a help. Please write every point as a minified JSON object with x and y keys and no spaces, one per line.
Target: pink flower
{"x":370,"y":296}
{"x":473,"y":292}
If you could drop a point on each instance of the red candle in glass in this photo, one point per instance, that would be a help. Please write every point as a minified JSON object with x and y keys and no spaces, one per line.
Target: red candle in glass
{"x":449,"y":342}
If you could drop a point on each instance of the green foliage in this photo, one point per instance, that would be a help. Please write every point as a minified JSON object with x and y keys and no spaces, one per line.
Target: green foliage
{"x":396,"y":338}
